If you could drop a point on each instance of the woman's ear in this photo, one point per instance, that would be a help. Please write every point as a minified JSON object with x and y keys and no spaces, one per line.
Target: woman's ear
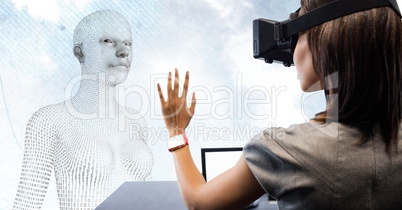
{"x":78,"y":52}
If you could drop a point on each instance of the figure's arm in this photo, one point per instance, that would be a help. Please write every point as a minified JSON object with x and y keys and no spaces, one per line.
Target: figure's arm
{"x":233,"y":189}
{"x":37,"y":164}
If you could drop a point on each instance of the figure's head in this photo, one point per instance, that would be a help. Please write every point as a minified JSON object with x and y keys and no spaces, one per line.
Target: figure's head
{"x":358,"y":60}
{"x":102,"y":44}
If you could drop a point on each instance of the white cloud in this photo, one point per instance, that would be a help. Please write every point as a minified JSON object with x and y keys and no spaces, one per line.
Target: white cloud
{"x":45,"y":62}
{"x":224,"y":7}
{"x":80,"y":4}
{"x":43,"y":9}
{"x":49,"y":9}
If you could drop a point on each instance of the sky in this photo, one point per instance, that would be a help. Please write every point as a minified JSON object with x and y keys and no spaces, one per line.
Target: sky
{"x":238,"y":96}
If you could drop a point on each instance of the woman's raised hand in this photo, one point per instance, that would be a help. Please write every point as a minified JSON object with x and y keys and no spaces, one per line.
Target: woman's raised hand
{"x":176,"y":113}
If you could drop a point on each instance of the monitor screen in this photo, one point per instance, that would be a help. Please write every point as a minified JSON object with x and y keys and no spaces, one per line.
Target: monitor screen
{"x":217,"y":160}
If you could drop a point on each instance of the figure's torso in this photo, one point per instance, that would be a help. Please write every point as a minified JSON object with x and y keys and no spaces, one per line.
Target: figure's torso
{"x":93,"y":158}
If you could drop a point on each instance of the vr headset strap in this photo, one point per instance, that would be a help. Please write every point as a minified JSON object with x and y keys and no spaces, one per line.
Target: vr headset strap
{"x":329,"y":12}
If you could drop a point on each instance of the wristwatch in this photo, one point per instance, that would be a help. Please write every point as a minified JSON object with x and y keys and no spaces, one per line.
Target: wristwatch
{"x":177,"y":142}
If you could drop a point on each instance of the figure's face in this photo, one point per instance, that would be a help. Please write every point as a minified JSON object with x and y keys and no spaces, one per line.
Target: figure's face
{"x":309,"y":80}
{"x":108,"y":52}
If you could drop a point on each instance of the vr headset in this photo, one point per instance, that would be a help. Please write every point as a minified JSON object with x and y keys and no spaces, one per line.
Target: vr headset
{"x":275,"y":41}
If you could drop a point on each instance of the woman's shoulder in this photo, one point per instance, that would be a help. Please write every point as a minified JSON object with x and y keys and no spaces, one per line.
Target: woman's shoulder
{"x":302,"y":143}
{"x":310,"y":131}
{"x":307,"y":149}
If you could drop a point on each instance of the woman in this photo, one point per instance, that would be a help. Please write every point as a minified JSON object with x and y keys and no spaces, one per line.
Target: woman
{"x":347,"y":157}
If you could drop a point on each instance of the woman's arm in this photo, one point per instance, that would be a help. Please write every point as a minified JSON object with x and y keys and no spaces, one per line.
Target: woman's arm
{"x":233,"y":189}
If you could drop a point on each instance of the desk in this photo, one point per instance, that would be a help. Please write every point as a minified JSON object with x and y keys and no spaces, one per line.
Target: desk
{"x":156,"y":195}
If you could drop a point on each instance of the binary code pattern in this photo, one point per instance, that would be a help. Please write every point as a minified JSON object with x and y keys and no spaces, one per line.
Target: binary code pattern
{"x":90,"y":159}
{"x":90,"y":152}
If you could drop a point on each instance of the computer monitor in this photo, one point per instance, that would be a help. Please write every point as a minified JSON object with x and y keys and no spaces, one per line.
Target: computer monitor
{"x":215,"y":161}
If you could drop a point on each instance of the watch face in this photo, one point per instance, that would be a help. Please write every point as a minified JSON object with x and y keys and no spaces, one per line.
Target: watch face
{"x":177,"y":142}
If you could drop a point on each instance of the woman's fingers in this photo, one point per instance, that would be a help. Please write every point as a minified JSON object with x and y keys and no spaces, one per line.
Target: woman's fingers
{"x":173,"y":93}
{"x":169,"y":86}
{"x":176,"y":83}
{"x":185,"y":86}
{"x":161,"y":96}
{"x":192,"y":107}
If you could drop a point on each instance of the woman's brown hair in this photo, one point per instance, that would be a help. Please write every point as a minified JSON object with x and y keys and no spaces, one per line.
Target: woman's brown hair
{"x":358,"y":58}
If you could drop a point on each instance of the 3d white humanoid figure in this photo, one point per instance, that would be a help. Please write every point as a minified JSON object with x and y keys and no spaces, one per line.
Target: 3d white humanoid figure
{"x":87,"y":142}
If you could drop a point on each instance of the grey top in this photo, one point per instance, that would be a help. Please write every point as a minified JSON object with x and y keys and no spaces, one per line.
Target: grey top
{"x":311,"y":166}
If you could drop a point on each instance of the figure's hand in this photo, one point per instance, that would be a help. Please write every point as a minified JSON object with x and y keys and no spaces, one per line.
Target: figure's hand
{"x":176,"y":113}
